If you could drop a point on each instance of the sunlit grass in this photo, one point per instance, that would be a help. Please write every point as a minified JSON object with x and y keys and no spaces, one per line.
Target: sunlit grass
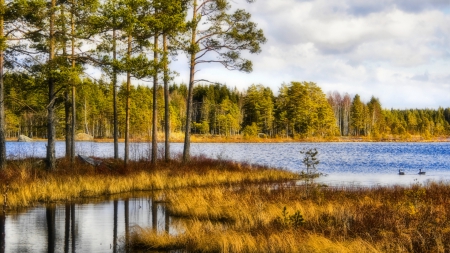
{"x":29,"y":183}
{"x":250,"y":218}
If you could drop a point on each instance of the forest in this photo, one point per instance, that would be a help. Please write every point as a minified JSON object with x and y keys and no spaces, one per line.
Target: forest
{"x":300,"y":110}
{"x":46,"y":48}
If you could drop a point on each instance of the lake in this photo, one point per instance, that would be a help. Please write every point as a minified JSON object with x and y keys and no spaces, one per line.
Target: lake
{"x":101,"y":225}
{"x":354,"y":163}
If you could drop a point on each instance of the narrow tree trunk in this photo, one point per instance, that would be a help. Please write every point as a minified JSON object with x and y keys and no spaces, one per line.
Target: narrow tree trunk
{"x":67,"y":102}
{"x":2,"y":102}
{"x":114,"y":79}
{"x":51,"y":132}
{"x":127,"y":108}
{"x":166,"y":101}
{"x":187,"y":134}
{"x":68,"y":131}
{"x":74,"y":111}
{"x":73,"y":128}
{"x":155,"y":108}
{"x":86,"y":126}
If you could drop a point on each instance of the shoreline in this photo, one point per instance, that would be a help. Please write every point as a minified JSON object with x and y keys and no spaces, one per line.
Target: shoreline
{"x":240,"y":139}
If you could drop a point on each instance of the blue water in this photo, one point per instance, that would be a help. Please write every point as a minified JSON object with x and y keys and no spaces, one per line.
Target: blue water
{"x":343,"y":163}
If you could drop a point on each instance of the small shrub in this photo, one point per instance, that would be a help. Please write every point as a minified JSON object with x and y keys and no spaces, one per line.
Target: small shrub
{"x":290,"y":221}
{"x":310,"y":161}
{"x":250,"y":131}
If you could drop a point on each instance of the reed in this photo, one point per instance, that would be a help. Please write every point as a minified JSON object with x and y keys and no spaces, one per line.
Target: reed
{"x":29,"y":183}
{"x":210,"y":237}
{"x":262,"y":218}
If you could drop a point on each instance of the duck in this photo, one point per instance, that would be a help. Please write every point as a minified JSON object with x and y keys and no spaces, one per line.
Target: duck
{"x":401,"y":172}
{"x":421,"y":172}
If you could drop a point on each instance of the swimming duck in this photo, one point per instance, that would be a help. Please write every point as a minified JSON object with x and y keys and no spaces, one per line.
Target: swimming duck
{"x":421,"y":172}
{"x":401,"y":172}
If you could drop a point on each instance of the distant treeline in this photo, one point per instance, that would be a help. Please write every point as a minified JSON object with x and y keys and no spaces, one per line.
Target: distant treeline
{"x":300,"y":110}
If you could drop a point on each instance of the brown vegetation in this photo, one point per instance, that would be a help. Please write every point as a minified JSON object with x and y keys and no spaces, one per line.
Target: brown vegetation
{"x":29,"y":183}
{"x":265,"y":218}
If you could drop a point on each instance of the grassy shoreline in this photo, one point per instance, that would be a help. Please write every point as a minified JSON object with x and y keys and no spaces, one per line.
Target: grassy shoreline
{"x":179,"y":138}
{"x":26,"y":182}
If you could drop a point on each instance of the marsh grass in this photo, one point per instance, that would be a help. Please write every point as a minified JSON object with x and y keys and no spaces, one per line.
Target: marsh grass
{"x":249,"y":219}
{"x":29,"y":183}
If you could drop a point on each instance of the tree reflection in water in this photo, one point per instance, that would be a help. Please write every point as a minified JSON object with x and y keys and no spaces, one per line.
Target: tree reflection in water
{"x":104,"y":226}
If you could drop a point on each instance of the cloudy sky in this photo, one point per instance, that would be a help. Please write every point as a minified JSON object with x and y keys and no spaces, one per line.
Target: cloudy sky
{"x":396,"y":50}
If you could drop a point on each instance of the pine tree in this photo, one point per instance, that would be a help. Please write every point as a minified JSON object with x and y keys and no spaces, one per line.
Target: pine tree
{"x":223,"y":34}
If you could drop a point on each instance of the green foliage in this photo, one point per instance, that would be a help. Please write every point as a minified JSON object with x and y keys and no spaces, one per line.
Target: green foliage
{"x":310,"y":161}
{"x":290,"y":221}
{"x":250,"y":130}
{"x":218,"y":110}
{"x":300,"y":110}
{"x":202,"y":127}
{"x":259,"y":108}
{"x":304,"y":110}
{"x":354,"y":117}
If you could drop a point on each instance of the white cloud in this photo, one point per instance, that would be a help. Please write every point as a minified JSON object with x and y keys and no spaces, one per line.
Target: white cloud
{"x":396,"y":50}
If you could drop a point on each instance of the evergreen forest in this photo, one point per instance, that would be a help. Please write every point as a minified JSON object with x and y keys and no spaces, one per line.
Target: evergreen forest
{"x":300,"y":110}
{"x":48,"y":46}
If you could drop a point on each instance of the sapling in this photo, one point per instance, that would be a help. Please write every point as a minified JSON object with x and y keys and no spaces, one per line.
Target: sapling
{"x":310,"y":161}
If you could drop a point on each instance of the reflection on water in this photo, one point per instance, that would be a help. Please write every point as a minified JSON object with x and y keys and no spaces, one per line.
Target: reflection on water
{"x":99,"y":227}
{"x":2,"y":232}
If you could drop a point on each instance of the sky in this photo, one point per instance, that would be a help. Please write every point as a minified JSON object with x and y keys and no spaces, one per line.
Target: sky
{"x":395,"y":50}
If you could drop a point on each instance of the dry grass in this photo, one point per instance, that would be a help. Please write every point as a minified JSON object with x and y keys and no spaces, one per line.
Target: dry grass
{"x":29,"y":183}
{"x":250,"y":219}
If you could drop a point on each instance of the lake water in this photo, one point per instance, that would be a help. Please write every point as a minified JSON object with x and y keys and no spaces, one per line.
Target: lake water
{"x":364,"y":164}
{"x":100,"y":226}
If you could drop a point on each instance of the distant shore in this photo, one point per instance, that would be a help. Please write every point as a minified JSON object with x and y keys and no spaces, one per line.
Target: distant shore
{"x":179,"y":138}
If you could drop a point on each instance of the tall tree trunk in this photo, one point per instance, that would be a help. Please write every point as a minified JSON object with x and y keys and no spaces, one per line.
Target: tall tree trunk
{"x":127,"y":108}
{"x":2,"y":100}
{"x":187,"y":134}
{"x":155,"y":108}
{"x":68,"y":131}
{"x":67,"y":102}
{"x":74,"y":111}
{"x":51,"y":132}
{"x":114,"y":79}
{"x":166,"y":102}
{"x":116,"y":125}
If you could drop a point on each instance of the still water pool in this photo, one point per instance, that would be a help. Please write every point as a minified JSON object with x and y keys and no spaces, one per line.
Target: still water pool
{"x":97,"y":226}
{"x":365,"y":164}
